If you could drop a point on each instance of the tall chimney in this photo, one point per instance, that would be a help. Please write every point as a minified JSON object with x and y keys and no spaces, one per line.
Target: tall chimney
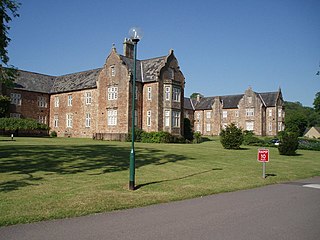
{"x":128,"y":48}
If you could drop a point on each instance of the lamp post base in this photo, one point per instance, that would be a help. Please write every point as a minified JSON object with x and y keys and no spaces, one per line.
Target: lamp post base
{"x":131,"y":185}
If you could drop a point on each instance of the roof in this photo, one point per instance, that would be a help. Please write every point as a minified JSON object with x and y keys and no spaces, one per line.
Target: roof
{"x":205,"y":103}
{"x":188,"y":104}
{"x":33,"y":82}
{"x":231,"y":101}
{"x":269,"y":98}
{"x":151,"y":68}
{"x":76,"y":81}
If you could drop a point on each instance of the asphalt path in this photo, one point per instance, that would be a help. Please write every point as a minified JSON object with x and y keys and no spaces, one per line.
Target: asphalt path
{"x":282,"y":211}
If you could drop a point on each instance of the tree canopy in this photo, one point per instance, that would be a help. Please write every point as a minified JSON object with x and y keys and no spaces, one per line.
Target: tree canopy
{"x":316,"y":102}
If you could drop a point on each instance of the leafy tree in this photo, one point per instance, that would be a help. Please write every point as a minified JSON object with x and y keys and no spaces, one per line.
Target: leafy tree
{"x":288,"y":143}
{"x":7,"y":73}
{"x":231,"y":137}
{"x":4,"y":105}
{"x":194,"y":95}
{"x":316,"y":102}
{"x":187,"y":131}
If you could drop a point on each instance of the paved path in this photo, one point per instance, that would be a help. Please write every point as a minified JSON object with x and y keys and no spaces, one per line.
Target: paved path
{"x":283,"y":211}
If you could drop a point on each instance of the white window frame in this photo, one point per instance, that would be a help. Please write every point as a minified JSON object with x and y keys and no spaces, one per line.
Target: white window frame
{"x":42,"y":119}
{"x":176,"y":94}
{"x":56,"y":121}
{"x":112,"y":117}
{"x":112,"y":93}
{"x":88,"y":120}
{"x":167,"y":118}
{"x":69,"y":120}
{"x":69,"y":100}
{"x":149,"y":118}
{"x":224,"y":114}
{"x":208,"y":114}
{"x":15,"y":99}
{"x":250,"y":126}
{"x":88,"y":96}
{"x":56,"y":101}
{"x":149,"y":93}
{"x":198,"y":128}
{"x":270,"y":127}
{"x":270,"y":112}
{"x":279,"y":112}
{"x":113,"y":71}
{"x":208,"y":127}
{"x":167,"y":92}
{"x":42,"y":101}
{"x":176,"y":119}
{"x":250,"y":112}
{"x":198,"y":115}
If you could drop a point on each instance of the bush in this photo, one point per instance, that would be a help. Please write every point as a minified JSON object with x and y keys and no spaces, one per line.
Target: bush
{"x":137,"y":135}
{"x":187,"y":131}
{"x":21,"y":124}
{"x":250,"y":139}
{"x":156,"y":137}
{"x":53,"y":134}
{"x":309,"y":144}
{"x":288,"y":143}
{"x":197,"y":138}
{"x":231,"y":137}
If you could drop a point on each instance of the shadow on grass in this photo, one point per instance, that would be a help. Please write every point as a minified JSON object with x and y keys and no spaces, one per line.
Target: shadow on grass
{"x":46,"y":160}
{"x":175,"y":179}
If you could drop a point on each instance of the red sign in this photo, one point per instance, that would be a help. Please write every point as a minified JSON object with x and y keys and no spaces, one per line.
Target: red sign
{"x":263,"y":155}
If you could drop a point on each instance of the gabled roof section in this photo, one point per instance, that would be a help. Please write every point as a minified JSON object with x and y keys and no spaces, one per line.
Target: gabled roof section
{"x":231,"y":101}
{"x":205,"y":103}
{"x":188,"y":104}
{"x":33,"y":82}
{"x":151,"y":68}
{"x":76,"y":81}
{"x":269,"y":98}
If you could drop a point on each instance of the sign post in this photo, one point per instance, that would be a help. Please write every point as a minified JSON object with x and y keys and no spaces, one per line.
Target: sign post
{"x":263,"y":156}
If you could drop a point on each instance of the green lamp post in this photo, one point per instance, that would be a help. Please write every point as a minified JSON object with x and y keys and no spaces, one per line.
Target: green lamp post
{"x":135,"y":35}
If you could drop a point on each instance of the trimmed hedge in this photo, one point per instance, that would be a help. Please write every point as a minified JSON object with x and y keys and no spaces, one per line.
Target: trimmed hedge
{"x":13,"y":124}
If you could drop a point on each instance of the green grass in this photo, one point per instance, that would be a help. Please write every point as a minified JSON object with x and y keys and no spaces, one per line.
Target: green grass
{"x":49,"y":178}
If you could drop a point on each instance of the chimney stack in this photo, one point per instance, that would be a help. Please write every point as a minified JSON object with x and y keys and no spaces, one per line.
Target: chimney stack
{"x":128,"y":48}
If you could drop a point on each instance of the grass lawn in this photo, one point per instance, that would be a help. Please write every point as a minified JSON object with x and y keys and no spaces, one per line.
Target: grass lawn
{"x":47,"y":178}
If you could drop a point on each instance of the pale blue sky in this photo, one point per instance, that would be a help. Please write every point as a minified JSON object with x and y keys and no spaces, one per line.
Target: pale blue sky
{"x":223,"y":46}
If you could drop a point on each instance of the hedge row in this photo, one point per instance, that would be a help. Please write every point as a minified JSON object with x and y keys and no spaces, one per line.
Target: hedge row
{"x":12,"y":124}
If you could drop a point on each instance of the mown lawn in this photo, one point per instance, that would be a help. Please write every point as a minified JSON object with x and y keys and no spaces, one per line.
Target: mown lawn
{"x":45,"y":178}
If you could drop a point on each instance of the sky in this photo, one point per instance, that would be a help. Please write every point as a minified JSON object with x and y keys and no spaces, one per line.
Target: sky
{"x":223,"y":46}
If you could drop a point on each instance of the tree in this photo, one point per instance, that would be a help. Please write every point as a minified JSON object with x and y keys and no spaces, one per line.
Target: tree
{"x":231,"y":137}
{"x":4,"y":105}
{"x":316,"y":102}
{"x":7,"y":72}
{"x":187,"y":131}
{"x":288,"y":143}
{"x":194,"y":95}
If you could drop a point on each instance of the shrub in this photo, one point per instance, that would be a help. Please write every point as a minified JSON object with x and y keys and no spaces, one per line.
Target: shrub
{"x":137,"y":135}
{"x":21,"y":124}
{"x":197,"y":138}
{"x":288,"y":143}
{"x":53,"y":134}
{"x":309,"y":144}
{"x":231,"y":137}
{"x":187,"y":131}
{"x":156,"y":137}
{"x":250,"y":139}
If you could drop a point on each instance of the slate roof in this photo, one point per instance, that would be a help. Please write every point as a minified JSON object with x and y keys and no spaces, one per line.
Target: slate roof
{"x":188,"y":104}
{"x":76,"y":81}
{"x":33,"y":82}
{"x":231,"y":101}
{"x":151,"y":68}
{"x":269,"y":98}
{"x":205,"y":103}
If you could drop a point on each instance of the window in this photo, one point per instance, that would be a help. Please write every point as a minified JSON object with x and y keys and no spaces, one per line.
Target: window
{"x":88,"y":120}
{"x":280,"y":126}
{"x":250,"y":112}
{"x":15,"y":115}
{"x":279,"y":113}
{"x":55,"y":121}
{"x":198,"y":129}
{"x":167,"y":118}
{"x":69,"y":120}
{"x":224,"y":114}
{"x":112,"y":93}
{"x":208,"y":127}
{"x":149,"y":93}
{"x":270,"y":127}
{"x":135,"y":117}
{"x":236,"y":113}
{"x":42,"y":102}
{"x":42,"y":119}
{"x":56,"y":101}
{"x":198,"y":115}
{"x":209,"y":114}
{"x":113,"y":71}
{"x":270,"y":112}
{"x":112,"y":117}
{"x":249,"y":126}
{"x":175,"y":119}
{"x":176,"y":92}
{"x":149,"y":118}
{"x":167,"y":93}
{"x":15,"y":98}
{"x":69,"y":100}
{"x":88,"y":98}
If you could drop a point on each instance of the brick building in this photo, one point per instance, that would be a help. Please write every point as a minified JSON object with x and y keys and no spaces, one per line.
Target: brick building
{"x":262,"y":113}
{"x":98,"y":103}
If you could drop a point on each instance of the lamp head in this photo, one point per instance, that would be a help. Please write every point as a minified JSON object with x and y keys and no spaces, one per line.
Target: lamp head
{"x":135,"y":34}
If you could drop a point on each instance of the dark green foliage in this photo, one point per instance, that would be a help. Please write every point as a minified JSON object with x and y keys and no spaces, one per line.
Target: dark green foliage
{"x":288,"y":143}
{"x":137,"y":135}
{"x":53,"y":134}
{"x":197,"y":138}
{"x":231,"y":137}
{"x":309,"y":144}
{"x":316,"y":102}
{"x":21,"y":124}
{"x":156,"y":137}
{"x":194,"y":95}
{"x":187,"y":131}
{"x":250,"y":139}
{"x":4,"y":105}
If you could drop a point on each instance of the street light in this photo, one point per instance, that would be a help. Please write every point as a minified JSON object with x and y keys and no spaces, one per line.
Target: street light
{"x":135,"y":35}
